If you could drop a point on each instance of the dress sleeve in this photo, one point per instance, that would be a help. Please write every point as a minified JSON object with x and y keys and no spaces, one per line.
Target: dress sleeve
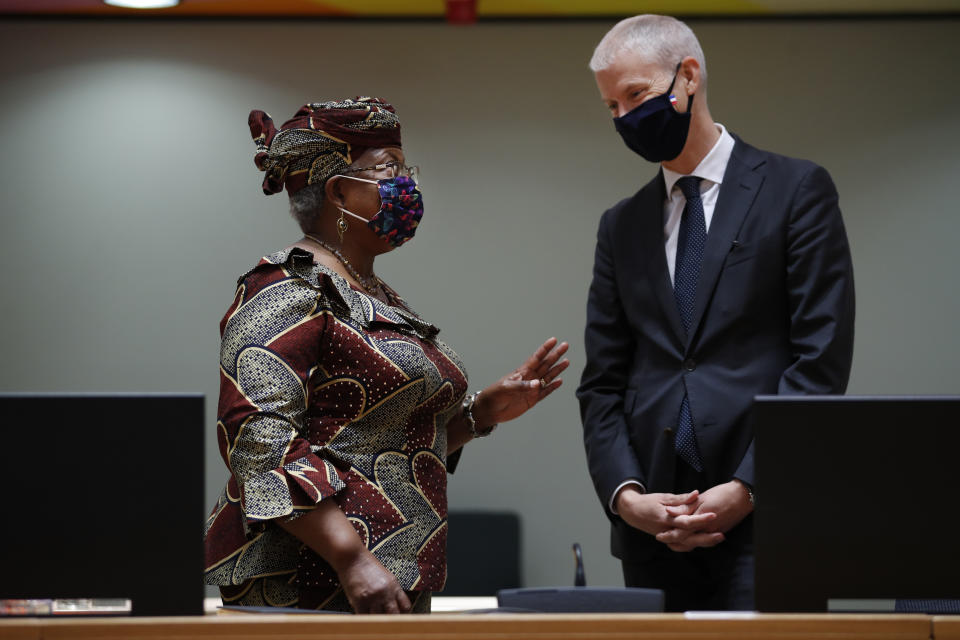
{"x":270,"y":343}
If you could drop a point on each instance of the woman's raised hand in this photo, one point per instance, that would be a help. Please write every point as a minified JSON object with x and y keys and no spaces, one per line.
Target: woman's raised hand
{"x":514,"y":394}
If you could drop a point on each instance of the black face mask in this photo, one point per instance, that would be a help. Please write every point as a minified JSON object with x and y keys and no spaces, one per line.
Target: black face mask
{"x":654,"y":129}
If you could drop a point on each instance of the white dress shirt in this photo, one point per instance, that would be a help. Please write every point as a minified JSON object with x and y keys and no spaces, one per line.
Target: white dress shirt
{"x":711,"y":169}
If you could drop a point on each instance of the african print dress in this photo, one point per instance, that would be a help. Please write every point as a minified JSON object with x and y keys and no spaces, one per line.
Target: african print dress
{"x":328,"y":394}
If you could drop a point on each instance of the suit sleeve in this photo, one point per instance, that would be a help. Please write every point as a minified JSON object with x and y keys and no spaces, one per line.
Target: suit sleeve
{"x":820,"y":293}
{"x":609,"y":348}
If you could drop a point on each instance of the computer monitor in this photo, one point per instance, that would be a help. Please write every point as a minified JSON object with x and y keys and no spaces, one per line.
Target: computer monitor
{"x":103,"y":498}
{"x":483,"y":552}
{"x":855,"y":501}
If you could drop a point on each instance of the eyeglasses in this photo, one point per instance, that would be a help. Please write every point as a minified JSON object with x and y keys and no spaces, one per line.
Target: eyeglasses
{"x":395,"y":168}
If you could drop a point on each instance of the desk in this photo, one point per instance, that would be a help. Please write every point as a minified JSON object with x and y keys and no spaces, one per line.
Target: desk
{"x":946,"y":627}
{"x":483,"y":627}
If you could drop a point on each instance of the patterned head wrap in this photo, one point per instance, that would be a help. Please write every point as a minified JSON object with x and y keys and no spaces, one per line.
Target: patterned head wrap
{"x":320,"y":140}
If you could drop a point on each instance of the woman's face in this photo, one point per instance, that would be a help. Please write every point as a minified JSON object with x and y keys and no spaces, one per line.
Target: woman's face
{"x":363,"y":198}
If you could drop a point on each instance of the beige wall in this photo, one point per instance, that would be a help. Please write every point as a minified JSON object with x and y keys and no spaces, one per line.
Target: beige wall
{"x":131,"y":204}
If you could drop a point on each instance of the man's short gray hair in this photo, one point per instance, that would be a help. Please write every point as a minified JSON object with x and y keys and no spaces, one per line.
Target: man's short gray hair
{"x":660,"y":39}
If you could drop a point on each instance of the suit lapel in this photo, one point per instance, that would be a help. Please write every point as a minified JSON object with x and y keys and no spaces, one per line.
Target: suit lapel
{"x":741,"y":183}
{"x":653,"y":254}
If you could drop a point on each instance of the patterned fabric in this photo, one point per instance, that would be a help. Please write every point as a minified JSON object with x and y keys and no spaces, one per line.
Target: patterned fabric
{"x":320,"y":140}
{"x":281,"y":591}
{"x":327,"y":393}
{"x":690,"y":243}
{"x":401,"y":209}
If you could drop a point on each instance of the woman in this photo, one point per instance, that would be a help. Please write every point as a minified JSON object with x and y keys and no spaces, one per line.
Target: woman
{"x":340,"y":411}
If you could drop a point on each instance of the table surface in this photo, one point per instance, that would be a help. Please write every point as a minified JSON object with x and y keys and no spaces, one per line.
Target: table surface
{"x":243,"y":626}
{"x":946,"y":627}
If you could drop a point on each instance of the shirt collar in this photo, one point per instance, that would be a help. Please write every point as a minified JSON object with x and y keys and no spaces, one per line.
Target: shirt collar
{"x":713,"y":165}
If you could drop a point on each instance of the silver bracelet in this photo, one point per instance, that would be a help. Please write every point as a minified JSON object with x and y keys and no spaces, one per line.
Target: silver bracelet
{"x":468,"y":402}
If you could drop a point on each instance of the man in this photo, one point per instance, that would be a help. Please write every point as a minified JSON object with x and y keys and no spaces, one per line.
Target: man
{"x":726,"y":276}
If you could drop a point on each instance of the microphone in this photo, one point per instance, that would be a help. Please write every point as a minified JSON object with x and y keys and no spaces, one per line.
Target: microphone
{"x":580,"y":598}
{"x":579,"y":579}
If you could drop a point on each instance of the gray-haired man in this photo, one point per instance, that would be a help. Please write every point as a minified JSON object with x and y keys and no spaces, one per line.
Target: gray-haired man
{"x":728,"y":275}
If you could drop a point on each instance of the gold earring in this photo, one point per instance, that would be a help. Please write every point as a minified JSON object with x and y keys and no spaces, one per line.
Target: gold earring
{"x":341,"y":226}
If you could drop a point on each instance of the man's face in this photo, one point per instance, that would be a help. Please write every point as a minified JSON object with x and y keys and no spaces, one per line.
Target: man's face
{"x":631,"y":80}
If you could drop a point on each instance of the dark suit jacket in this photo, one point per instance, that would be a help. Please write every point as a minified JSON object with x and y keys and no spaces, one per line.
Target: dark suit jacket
{"x":774,"y":313}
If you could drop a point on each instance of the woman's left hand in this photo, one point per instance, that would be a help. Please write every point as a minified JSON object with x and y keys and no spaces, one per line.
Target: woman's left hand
{"x":514,"y":394}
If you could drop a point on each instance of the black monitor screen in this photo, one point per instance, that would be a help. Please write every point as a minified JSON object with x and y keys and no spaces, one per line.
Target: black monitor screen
{"x":103,"y":498}
{"x":856,"y":499}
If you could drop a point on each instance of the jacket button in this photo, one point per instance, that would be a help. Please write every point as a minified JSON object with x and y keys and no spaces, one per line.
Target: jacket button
{"x":689,"y":364}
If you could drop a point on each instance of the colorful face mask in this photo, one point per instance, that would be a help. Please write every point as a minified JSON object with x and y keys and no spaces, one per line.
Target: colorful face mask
{"x":401,"y":208}
{"x":654,"y":129}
